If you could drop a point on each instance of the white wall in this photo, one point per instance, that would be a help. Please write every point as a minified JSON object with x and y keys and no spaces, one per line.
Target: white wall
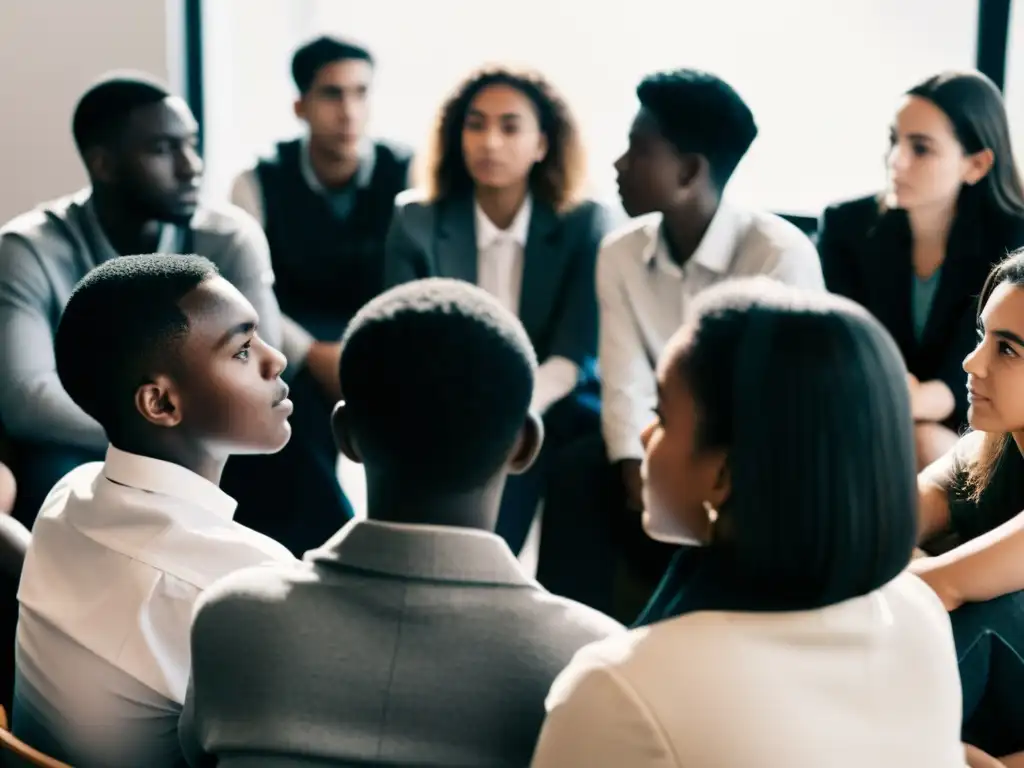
{"x":50,"y":51}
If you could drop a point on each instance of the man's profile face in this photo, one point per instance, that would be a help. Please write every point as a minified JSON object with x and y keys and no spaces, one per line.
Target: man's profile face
{"x":649,"y":172}
{"x":336,"y":107}
{"x":229,"y":379}
{"x":156,"y":165}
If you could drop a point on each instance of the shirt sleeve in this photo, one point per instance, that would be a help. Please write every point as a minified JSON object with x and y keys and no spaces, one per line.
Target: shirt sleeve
{"x":556,"y":378}
{"x":33,"y":402}
{"x":628,"y":386}
{"x":245,"y":263}
{"x":247,"y":194}
{"x":594,"y":718}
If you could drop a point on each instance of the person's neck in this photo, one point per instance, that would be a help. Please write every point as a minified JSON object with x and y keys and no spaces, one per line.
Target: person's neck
{"x":930,"y":225}
{"x":392,"y":501}
{"x":685,"y":227}
{"x":128,"y":233}
{"x":501,"y":205}
{"x":194,"y":459}
{"x":331,"y":169}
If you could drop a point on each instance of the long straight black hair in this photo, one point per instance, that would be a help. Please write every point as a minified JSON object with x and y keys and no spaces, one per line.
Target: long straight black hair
{"x":806,"y":394}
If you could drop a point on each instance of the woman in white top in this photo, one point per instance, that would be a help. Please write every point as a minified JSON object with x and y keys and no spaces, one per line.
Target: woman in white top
{"x":790,"y":635}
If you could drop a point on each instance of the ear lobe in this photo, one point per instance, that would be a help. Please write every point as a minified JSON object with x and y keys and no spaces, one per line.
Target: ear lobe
{"x":690,"y":168}
{"x":527,"y":449}
{"x":299,"y":107}
{"x":158,"y":403}
{"x":722,"y":489}
{"x":981,"y":163}
{"x":343,"y":434}
{"x":542,"y":149}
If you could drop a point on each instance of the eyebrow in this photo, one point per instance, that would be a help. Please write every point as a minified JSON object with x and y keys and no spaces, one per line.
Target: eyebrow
{"x":246,"y":328}
{"x":504,"y":115}
{"x":922,"y":137}
{"x":1009,"y":336}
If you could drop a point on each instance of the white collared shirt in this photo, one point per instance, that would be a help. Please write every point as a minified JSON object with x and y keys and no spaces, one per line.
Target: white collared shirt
{"x":501,"y":255}
{"x":643,"y":297}
{"x":120,"y":552}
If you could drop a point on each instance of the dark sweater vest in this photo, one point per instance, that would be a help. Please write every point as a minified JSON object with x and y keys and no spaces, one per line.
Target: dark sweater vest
{"x":327,"y":267}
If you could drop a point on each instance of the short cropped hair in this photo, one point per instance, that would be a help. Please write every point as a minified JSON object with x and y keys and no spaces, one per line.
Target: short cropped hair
{"x":318,"y":53}
{"x":103,"y":109}
{"x":700,"y":113}
{"x":121,"y":321}
{"x":806,"y":392}
{"x":437,"y":379}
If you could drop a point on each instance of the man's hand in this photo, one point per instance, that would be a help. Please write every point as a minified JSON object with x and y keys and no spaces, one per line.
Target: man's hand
{"x":323,"y":360}
{"x":633,"y":485}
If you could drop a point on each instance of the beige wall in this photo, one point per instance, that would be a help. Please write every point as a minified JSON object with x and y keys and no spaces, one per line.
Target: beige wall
{"x":50,"y":50}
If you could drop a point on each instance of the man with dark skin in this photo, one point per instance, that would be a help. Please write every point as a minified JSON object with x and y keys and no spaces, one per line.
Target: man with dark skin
{"x":123,"y":548}
{"x":138,"y":143}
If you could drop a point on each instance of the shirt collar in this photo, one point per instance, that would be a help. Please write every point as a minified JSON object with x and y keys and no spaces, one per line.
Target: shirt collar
{"x":429,"y":552}
{"x":487,"y":233}
{"x":167,"y":479}
{"x":166,"y":242}
{"x":715,"y":250}
{"x":364,"y":173}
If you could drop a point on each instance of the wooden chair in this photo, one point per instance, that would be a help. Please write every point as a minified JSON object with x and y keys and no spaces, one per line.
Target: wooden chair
{"x":28,"y":755}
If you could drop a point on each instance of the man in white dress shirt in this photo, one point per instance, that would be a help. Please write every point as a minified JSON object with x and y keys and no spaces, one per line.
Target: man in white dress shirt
{"x":691,"y":132}
{"x":166,"y":356}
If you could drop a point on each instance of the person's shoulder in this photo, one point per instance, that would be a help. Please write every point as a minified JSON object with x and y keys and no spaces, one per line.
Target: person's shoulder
{"x":859,"y":214}
{"x":579,"y":624}
{"x":396,"y":151}
{"x":414,"y":208}
{"x":51,"y":226}
{"x":224,"y":220}
{"x":628,"y":241}
{"x":775,"y":232}
{"x":253,"y":590}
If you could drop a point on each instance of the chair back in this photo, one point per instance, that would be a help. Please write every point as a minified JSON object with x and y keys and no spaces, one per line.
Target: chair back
{"x":26,"y":755}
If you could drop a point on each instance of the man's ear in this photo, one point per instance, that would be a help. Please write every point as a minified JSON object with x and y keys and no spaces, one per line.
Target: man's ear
{"x":528,"y":445}
{"x":343,"y":434}
{"x":299,"y":107}
{"x":99,"y":161}
{"x":159,"y":403}
{"x":691,"y":167}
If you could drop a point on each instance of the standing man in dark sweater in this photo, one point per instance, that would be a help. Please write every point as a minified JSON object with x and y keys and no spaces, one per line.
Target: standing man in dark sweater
{"x":325,"y":202}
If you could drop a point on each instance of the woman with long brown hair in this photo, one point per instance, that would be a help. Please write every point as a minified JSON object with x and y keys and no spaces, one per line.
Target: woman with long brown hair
{"x":500,"y":204}
{"x":971,"y":513}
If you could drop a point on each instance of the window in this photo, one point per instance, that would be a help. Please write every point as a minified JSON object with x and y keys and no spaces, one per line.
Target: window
{"x":823,"y":78}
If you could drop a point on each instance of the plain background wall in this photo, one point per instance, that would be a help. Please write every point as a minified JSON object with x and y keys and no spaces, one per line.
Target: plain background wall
{"x":50,"y":51}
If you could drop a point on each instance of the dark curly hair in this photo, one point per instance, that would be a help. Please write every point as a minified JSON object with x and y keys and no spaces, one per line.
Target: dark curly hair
{"x":557,"y":179}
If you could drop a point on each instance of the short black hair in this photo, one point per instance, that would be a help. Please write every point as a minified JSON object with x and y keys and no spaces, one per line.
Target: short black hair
{"x":807,"y":394}
{"x":102,"y":110}
{"x":121,"y":320}
{"x":320,"y":52}
{"x":700,"y":113}
{"x":437,"y":379}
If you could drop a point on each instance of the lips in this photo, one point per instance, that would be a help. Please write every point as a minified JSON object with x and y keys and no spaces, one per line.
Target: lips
{"x":973,"y":396}
{"x":282,"y":396}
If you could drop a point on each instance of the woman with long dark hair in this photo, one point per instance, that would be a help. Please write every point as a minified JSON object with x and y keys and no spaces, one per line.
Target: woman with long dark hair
{"x":500,"y":204}
{"x":972,"y":515}
{"x":788,"y":633}
{"x":917,"y":255}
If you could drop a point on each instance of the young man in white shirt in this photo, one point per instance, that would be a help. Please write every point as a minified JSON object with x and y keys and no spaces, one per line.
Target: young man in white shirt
{"x":689,"y":135}
{"x":165,"y":354}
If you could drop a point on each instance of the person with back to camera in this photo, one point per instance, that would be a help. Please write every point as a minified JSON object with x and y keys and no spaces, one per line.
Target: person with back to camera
{"x":413,"y":637}
{"x":786,"y":631}
{"x":121,"y":549}
{"x":917,"y":256}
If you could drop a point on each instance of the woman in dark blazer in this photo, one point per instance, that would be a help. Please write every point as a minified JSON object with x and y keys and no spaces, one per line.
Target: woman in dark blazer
{"x":917,"y":256}
{"x":500,"y":206}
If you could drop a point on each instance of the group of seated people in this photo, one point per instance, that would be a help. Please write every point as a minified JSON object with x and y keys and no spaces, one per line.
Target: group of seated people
{"x":770,"y":431}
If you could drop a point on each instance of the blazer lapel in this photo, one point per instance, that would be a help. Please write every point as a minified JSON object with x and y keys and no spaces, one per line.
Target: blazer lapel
{"x":888,"y":276}
{"x":455,"y":246}
{"x":543,"y":264}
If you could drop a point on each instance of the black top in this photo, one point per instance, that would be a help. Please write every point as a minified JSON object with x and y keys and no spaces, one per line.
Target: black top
{"x":328,"y":265}
{"x":1002,"y":499}
{"x":866,"y":256}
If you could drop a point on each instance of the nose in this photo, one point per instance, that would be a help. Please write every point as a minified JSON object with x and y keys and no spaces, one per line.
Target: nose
{"x":189,"y":164}
{"x":897,"y":158}
{"x":493,"y":139}
{"x":620,"y":164}
{"x":274,"y":362}
{"x":974,"y":363}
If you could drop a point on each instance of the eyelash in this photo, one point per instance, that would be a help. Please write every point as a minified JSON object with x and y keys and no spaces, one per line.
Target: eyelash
{"x":243,"y":353}
{"x":1005,"y":348}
